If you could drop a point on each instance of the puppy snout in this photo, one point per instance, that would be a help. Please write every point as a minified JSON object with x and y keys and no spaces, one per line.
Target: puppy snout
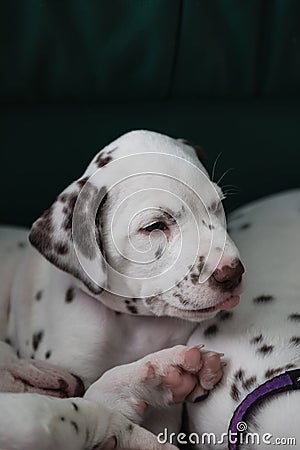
{"x":228,"y":277}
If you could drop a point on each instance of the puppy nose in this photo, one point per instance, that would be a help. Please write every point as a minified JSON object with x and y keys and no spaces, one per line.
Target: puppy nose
{"x":229,"y":277}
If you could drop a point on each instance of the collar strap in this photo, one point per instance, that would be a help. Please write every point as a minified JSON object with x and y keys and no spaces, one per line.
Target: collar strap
{"x":286,"y":381}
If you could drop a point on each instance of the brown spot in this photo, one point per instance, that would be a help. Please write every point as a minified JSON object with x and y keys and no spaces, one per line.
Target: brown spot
{"x":130,"y":427}
{"x":249,"y":382}
{"x":132,"y":309}
{"x":294,"y":317}
{"x":63,"y":198}
{"x":75,"y":406}
{"x":47,"y":216}
{"x":151,"y":300}
{"x":102,"y":160}
{"x":68,"y":210}
{"x":61,"y":248}
{"x":182,"y":300}
{"x":118,"y":313}
{"x":211,"y":331}
{"x":40,"y":235}
{"x":201,"y":263}
{"x":295,"y":340}
{"x":263,"y":299}
{"x":265,"y":349}
{"x":270,"y":373}
{"x":179,"y":284}
{"x":256,"y":339}
{"x":8,"y":341}
{"x":82,"y":182}
{"x":69,"y":295}
{"x":48,"y":354}
{"x":290,"y":366}
{"x":225,"y":315}
{"x":39,"y":295}
{"x":235,"y":393}
{"x":74,"y":424}
{"x":36,"y":339}
{"x":194,"y":278}
{"x":213,"y":207}
{"x":240,"y":374}
{"x":21,"y":244}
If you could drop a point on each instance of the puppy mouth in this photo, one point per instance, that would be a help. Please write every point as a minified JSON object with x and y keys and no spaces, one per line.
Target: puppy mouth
{"x":230,"y":302}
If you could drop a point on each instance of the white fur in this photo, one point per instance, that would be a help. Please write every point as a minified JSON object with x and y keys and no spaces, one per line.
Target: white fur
{"x":270,"y":249}
{"x":86,"y":336}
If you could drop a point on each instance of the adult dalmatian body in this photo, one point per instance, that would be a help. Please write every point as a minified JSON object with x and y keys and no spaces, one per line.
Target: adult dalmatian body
{"x":57,"y":321}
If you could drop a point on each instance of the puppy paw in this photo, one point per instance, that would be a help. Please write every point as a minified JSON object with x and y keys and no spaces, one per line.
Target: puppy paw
{"x":209,"y":375}
{"x":159,"y":379}
{"x":41,"y":378}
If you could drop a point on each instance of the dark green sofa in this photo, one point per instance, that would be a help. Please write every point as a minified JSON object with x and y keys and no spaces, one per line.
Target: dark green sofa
{"x":76,"y":74}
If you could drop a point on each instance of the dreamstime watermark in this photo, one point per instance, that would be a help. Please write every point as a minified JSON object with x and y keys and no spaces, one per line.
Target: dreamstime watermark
{"x":244,"y":437}
{"x":145,"y":188}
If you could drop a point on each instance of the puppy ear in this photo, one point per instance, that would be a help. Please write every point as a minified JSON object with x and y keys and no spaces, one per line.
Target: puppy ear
{"x":68,"y":234}
{"x":199,"y":151}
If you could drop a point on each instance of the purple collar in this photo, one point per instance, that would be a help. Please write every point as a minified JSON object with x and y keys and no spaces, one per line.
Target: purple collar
{"x":287,"y":381}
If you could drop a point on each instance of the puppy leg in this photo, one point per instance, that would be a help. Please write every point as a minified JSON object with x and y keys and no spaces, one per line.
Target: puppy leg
{"x":159,"y":379}
{"x":20,"y":375}
{"x":35,"y":422}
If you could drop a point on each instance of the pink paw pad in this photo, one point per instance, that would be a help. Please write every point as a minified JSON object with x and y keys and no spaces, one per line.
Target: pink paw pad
{"x":175,"y":370}
{"x":209,"y":375}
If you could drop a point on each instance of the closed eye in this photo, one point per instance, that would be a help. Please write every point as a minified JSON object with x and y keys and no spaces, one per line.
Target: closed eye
{"x":159,"y":225}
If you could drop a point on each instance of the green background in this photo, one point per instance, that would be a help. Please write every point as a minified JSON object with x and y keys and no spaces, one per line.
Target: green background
{"x":76,"y":74}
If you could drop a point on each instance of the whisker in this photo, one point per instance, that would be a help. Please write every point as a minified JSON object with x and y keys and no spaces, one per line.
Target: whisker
{"x":228,"y":194}
{"x":214,"y":166}
{"x":229,"y":185}
{"x":225,"y":173}
{"x":230,"y":190}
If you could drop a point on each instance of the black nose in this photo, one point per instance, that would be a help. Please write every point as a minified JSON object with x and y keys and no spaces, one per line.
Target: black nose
{"x":228,"y":277}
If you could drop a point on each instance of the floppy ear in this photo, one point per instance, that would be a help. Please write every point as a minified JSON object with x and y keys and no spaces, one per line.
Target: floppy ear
{"x":68,"y":234}
{"x":199,"y":151}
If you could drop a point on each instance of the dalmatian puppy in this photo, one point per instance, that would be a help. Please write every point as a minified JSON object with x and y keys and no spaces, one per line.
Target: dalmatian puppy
{"x":126,"y":262}
{"x":40,"y":422}
{"x":261,"y":336}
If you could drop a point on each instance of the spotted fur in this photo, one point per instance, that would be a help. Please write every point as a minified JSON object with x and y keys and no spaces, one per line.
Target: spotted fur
{"x":260,"y":338}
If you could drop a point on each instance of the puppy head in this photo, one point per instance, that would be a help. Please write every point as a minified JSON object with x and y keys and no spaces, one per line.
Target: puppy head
{"x":145,"y":222}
